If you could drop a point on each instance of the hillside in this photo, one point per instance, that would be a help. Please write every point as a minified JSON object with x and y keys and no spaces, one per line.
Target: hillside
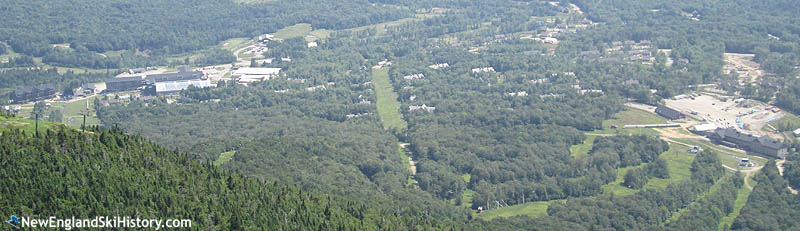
{"x":67,"y":173}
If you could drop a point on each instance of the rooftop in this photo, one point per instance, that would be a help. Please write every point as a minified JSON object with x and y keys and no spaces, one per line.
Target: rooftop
{"x":669,"y":112}
{"x":257,"y":71}
{"x":124,"y":79}
{"x":705,"y":127}
{"x":186,"y":75}
{"x":173,"y":86}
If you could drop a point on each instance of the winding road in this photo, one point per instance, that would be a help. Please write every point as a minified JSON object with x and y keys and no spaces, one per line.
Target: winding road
{"x":780,"y":169}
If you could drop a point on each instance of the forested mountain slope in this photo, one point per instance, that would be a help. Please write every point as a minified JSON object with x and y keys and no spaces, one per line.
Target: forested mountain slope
{"x":66,"y":173}
{"x":167,"y":27}
{"x":771,"y":206}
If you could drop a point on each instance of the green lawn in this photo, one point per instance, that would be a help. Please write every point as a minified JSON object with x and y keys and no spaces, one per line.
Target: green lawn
{"x":724,"y":153}
{"x":466,"y":198}
{"x":679,"y":162}
{"x":634,"y":116}
{"x":26,"y":125}
{"x":224,"y":158}
{"x":234,"y":43}
{"x":579,"y":150}
{"x":298,"y":30}
{"x":533,"y":209}
{"x":319,"y":34}
{"x":388,"y":107}
{"x":789,"y":122}
{"x":72,"y":112}
{"x":631,"y":116}
{"x":616,"y":187}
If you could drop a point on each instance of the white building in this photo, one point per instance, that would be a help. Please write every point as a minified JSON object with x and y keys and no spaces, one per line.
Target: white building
{"x":423,"y":107}
{"x":710,"y":127}
{"x":797,"y":132}
{"x":168,"y":87}
{"x":521,"y":93}
{"x":312,"y":44}
{"x":550,"y":40}
{"x":414,"y":76}
{"x":439,"y":66}
{"x":483,"y":69}
{"x":255,"y":74}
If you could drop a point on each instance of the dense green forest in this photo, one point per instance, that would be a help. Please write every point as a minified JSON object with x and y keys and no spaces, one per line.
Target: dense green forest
{"x":771,"y":206}
{"x":66,"y":173}
{"x":492,"y":96}
{"x":156,"y":28}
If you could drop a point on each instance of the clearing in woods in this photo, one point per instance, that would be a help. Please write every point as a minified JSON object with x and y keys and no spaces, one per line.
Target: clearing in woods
{"x":532,"y":209}
{"x":224,"y":158}
{"x":388,"y":107}
{"x":679,"y":163}
{"x":579,"y":150}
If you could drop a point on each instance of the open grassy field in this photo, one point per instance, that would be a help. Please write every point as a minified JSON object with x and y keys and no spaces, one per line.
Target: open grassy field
{"x":224,"y":158}
{"x":616,"y":187}
{"x":71,"y":112}
{"x":298,"y":30}
{"x":234,"y":43}
{"x":634,"y":116}
{"x":319,"y":34}
{"x":630,"y":116}
{"x":303,"y":30}
{"x":579,"y":150}
{"x":26,"y":125}
{"x":725,"y":155}
{"x":388,"y":107}
{"x":679,"y":162}
{"x":532,"y":209}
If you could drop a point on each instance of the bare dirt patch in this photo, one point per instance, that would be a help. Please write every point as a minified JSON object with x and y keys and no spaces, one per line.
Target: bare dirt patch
{"x":749,"y":71}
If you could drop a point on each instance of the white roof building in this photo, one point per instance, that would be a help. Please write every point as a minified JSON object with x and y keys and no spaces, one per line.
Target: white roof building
{"x":312,"y":44}
{"x":797,"y":132}
{"x":255,"y":74}
{"x":705,"y":127}
{"x":484,"y":69}
{"x":414,"y":76}
{"x":521,"y":93}
{"x":423,"y":107}
{"x":439,"y":66}
{"x":176,"y":86}
{"x":550,"y":40}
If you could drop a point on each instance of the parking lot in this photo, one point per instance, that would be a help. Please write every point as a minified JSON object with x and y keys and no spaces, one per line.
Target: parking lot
{"x":752,"y":115}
